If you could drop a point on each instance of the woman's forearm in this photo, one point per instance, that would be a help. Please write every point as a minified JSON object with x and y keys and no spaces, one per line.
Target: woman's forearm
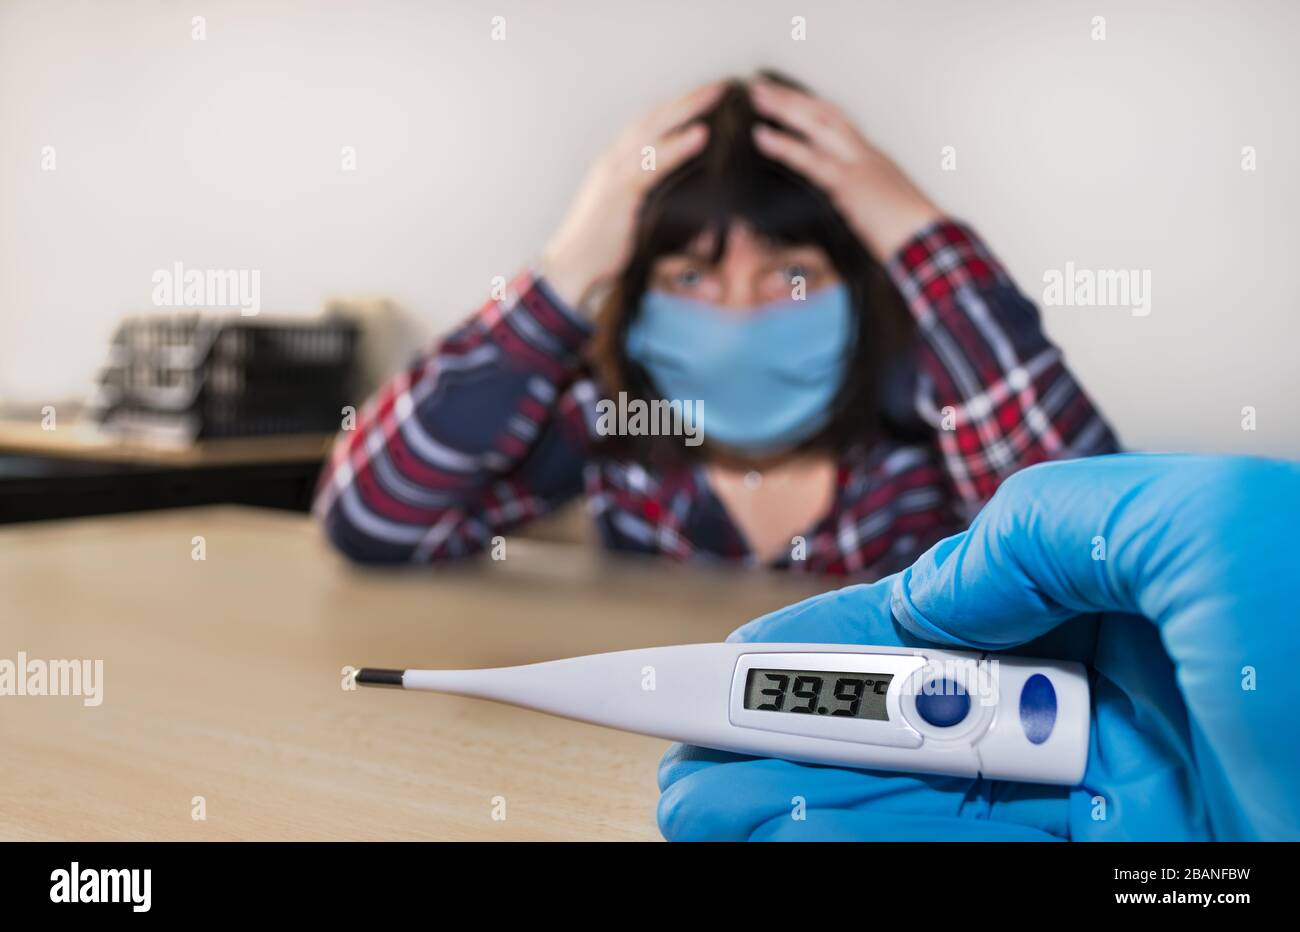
{"x":464,"y":443}
{"x":995,"y":387}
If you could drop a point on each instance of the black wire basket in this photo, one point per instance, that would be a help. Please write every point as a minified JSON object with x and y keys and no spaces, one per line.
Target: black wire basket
{"x":198,"y":376}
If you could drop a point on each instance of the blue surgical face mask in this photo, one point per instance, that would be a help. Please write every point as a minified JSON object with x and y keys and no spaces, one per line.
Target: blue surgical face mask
{"x":766,"y":377}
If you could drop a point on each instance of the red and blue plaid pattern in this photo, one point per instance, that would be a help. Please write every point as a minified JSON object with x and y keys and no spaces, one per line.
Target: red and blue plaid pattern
{"x":496,"y":425}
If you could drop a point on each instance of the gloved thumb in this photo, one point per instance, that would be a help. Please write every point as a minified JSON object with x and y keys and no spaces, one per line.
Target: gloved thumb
{"x":1162,"y":536}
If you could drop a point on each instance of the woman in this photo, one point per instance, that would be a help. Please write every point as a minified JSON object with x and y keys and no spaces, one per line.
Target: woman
{"x":754,"y":276}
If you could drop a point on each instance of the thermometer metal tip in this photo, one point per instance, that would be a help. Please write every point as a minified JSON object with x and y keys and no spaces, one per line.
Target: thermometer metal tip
{"x":377,"y":676}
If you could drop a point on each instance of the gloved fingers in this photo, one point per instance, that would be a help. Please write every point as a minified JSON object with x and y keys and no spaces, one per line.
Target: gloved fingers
{"x":682,"y":760}
{"x":703,"y":800}
{"x":1141,"y":783}
{"x":869,"y":825}
{"x":727,"y":802}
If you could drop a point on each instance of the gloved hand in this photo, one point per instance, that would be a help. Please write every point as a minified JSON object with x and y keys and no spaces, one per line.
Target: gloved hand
{"x":1173,"y":577}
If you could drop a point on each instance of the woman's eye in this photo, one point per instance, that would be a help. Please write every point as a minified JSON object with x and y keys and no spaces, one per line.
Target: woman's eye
{"x":794,"y":272}
{"x":688,"y":278}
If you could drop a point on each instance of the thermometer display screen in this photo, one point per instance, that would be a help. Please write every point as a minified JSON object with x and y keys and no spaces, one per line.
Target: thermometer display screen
{"x":818,"y":692}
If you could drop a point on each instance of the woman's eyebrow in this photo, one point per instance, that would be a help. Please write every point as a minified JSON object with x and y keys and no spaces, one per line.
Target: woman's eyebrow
{"x":691,"y":253}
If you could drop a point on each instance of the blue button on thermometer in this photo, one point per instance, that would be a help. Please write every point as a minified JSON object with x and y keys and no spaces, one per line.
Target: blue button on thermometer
{"x":886,"y":708}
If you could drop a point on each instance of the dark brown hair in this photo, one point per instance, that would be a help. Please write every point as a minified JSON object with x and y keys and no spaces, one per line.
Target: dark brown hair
{"x":729,"y":181}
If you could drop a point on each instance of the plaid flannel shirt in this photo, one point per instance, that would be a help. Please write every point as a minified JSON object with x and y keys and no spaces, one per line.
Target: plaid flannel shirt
{"x":496,"y":425}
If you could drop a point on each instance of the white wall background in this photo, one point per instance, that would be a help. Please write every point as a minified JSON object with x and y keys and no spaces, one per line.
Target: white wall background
{"x":225,"y":154}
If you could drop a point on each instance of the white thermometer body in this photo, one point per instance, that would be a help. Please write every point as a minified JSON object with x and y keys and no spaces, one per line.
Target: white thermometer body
{"x":889,"y":708}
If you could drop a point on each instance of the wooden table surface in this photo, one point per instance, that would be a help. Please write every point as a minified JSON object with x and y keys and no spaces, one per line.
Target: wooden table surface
{"x":84,"y":441}
{"x":222,"y":679}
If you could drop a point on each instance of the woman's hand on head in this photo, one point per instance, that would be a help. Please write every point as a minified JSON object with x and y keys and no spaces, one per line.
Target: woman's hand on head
{"x":881,"y":203}
{"x":595,"y":239}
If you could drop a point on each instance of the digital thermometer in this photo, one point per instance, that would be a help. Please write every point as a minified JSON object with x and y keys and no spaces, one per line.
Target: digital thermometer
{"x":886,"y":708}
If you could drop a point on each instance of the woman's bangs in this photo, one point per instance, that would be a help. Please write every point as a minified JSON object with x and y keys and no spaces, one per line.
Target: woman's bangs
{"x":776,"y":205}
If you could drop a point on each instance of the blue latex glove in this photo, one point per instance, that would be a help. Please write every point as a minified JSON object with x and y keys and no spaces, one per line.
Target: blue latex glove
{"x":1199,"y":590}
